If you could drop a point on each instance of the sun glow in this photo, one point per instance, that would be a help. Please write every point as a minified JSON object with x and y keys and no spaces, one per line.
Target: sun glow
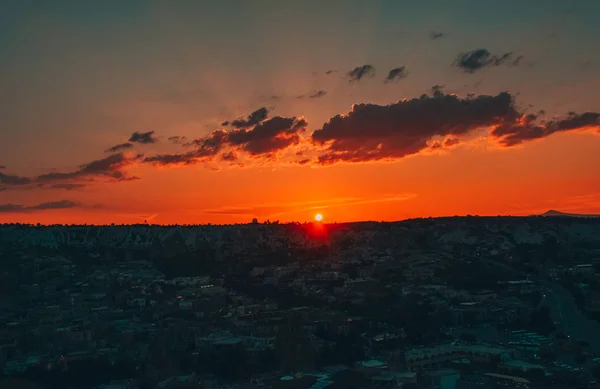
{"x":318,"y":217}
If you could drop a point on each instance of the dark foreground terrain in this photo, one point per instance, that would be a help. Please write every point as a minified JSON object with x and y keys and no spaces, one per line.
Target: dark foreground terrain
{"x":471,"y":302}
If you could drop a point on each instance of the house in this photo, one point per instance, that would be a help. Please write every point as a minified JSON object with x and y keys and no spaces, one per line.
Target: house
{"x":186,"y":304}
{"x":139,"y":302}
{"x":432,"y":357}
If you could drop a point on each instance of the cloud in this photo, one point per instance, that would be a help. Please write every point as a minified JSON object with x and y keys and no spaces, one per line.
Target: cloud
{"x":172,"y":159}
{"x":2,"y":167}
{"x":529,"y":127}
{"x":13,"y":180}
{"x":445,"y":144}
{"x":451,"y":142}
{"x":517,"y":61}
{"x":278,"y":209}
{"x":396,"y":74}
{"x":372,"y":132}
{"x":436,"y":35}
{"x":360,"y":72}
{"x":253,"y":119}
{"x":331,"y":71}
{"x":67,"y":186}
{"x":120,"y":147}
{"x":269,"y":136}
{"x":110,"y":169}
{"x":264,"y":139}
{"x":18,"y":208}
{"x":143,"y":137}
{"x":316,"y":94}
{"x":230,"y":156}
{"x":177,"y":139}
{"x":475,"y":60}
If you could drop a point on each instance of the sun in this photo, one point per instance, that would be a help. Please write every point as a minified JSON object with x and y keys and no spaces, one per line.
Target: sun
{"x":318,"y":217}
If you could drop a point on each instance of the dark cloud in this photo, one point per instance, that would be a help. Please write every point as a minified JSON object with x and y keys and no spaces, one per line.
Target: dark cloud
{"x":253,"y":119}
{"x":437,"y":90}
{"x":269,"y":136}
{"x":208,"y":146}
{"x":120,"y":147}
{"x":13,"y":180}
{"x":2,"y":167}
{"x":372,"y":132}
{"x":360,"y":72}
{"x":67,"y":186}
{"x":172,"y":159}
{"x":436,"y":35}
{"x":230,"y":156}
{"x":304,"y":161}
{"x":178,"y":139}
{"x":143,"y":137}
{"x":448,"y":142}
{"x":316,"y":94}
{"x":396,"y":74}
{"x":517,"y":61}
{"x":529,"y":127}
{"x":478,"y":59}
{"x":331,"y":71}
{"x":18,"y":208}
{"x":110,"y":168}
{"x":263,"y":139}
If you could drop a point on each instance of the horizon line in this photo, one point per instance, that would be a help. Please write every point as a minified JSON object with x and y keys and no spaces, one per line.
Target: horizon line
{"x":276,"y":222}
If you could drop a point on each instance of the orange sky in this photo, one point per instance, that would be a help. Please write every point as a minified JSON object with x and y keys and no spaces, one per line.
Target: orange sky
{"x":79,"y":82}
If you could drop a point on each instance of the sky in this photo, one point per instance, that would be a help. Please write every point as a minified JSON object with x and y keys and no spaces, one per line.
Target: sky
{"x":223,"y":111}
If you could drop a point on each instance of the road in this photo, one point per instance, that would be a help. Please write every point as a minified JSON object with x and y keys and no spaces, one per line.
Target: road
{"x":563,"y":309}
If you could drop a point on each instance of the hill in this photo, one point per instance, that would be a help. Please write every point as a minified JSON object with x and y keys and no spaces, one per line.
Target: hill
{"x":553,"y":213}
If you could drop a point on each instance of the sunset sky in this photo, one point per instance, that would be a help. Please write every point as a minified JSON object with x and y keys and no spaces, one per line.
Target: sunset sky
{"x":220,"y":111}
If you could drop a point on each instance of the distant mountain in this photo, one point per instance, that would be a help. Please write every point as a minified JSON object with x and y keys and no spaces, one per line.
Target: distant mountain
{"x":554,"y":213}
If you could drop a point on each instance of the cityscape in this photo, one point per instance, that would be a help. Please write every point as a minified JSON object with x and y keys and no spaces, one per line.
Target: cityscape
{"x":461,"y":302}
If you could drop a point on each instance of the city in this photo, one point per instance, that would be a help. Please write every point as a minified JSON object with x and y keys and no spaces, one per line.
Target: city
{"x":463,"y":302}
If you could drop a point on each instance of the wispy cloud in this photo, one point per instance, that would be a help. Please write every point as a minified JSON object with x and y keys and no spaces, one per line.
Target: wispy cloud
{"x":120,"y":147}
{"x":52,"y":205}
{"x":279,"y":209}
{"x":110,"y":169}
{"x":142,"y":217}
{"x":396,"y":74}
{"x":477,"y":59}
{"x":317,"y":93}
{"x":360,"y":72}
{"x":143,"y":137}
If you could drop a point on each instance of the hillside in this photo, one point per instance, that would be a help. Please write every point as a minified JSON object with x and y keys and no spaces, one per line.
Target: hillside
{"x":554,"y":213}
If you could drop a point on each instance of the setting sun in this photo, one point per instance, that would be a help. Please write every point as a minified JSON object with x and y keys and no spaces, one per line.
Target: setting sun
{"x":318,"y":217}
